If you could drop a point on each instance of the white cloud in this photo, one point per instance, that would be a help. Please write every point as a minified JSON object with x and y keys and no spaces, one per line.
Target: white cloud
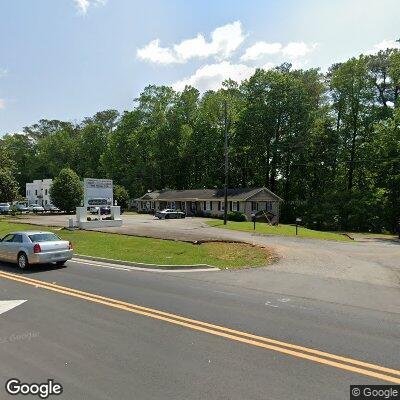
{"x":211,"y":76}
{"x":260,"y":49}
{"x":292,"y":50}
{"x":298,"y":49}
{"x":83,"y":5}
{"x":383,"y":45}
{"x":2,"y":104}
{"x":224,"y":41}
{"x":154,"y":53}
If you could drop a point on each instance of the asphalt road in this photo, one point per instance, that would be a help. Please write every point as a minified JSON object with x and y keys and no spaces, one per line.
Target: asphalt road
{"x":98,"y":348}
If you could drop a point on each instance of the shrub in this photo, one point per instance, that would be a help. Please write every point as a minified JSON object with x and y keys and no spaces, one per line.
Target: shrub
{"x":236,"y":216}
{"x":121,"y":196}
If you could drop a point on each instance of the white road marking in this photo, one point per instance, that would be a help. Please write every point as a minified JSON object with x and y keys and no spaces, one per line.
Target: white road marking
{"x":268,"y":303}
{"x":131,"y":268}
{"x":8,"y":305}
{"x":284,"y":300}
{"x":228,"y":293}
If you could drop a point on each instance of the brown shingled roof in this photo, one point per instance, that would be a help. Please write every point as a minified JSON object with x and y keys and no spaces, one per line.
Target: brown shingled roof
{"x":206,"y":194}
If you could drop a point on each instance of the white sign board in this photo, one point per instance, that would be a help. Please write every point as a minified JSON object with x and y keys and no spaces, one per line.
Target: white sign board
{"x":97,"y":192}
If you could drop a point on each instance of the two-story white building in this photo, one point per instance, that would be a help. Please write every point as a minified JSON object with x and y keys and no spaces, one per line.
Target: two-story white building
{"x":38,"y":192}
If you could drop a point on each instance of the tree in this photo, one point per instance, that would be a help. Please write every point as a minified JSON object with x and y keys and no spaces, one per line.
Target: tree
{"x":8,"y":185}
{"x":121,"y":196}
{"x":327,"y":144}
{"x":66,"y":192}
{"x":21,"y":149}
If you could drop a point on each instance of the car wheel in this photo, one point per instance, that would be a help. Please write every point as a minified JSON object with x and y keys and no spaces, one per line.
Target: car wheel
{"x":60,"y":263}
{"x":22,"y":261}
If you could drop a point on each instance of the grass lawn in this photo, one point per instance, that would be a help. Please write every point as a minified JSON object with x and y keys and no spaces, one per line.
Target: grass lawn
{"x":284,"y":230}
{"x":154,"y":251}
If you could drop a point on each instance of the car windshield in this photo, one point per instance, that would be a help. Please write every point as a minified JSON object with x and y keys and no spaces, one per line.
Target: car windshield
{"x":43,"y":237}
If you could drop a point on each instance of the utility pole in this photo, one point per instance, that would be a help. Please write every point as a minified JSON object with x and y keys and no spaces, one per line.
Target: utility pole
{"x":226,"y":163}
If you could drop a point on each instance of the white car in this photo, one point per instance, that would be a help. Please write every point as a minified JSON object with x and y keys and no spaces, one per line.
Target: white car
{"x":35,"y":208}
{"x":4,"y":208}
{"x":34,"y":247}
{"x":169,"y":213}
{"x":51,"y":208}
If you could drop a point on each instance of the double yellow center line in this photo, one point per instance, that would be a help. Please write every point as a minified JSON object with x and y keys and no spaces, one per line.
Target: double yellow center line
{"x":344,"y":363}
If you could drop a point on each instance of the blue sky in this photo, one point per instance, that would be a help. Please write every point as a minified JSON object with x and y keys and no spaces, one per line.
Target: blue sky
{"x":67,"y":59}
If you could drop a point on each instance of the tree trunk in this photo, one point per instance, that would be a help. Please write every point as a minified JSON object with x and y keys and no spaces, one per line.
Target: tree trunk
{"x":274,"y":161}
{"x":352,"y":157}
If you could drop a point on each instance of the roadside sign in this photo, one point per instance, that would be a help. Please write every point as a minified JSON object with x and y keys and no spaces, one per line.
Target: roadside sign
{"x":97,"y":192}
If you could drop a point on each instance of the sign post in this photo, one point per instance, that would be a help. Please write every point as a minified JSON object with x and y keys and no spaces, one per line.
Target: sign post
{"x":98,"y":193}
{"x":298,"y":220}
{"x":253,"y":218}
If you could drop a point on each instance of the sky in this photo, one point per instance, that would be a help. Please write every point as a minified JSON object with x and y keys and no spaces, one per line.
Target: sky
{"x":68,"y":59}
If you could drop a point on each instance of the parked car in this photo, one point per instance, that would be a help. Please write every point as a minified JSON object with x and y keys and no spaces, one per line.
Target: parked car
{"x":21,"y":207}
{"x":26,"y":248}
{"x":169,"y":213}
{"x":35,"y":208}
{"x":51,"y":208}
{"x":4,"y":208}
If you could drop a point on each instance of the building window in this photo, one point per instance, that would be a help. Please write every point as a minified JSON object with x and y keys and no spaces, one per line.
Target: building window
{"x":235,"y":206}
{"x":254,"y":206}
{"x":207,"y":205}
{"x":269,"y":205}
{"x":45,"y":192}
{"x":36,"y":192}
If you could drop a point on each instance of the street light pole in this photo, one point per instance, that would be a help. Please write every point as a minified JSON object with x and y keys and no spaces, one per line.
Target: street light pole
{"x":226,"y":163}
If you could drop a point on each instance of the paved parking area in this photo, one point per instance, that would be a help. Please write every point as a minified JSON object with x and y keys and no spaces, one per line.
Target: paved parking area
{"x":372,"y":262}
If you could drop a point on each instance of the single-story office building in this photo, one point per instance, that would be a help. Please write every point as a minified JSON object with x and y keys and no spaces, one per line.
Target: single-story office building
{"x":211,"y":201}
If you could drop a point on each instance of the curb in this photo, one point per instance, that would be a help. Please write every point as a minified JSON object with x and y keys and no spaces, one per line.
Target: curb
{"x":148,"y":266}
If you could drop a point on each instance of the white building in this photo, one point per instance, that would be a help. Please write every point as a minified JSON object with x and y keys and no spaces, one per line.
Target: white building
{"x":38,"y":192}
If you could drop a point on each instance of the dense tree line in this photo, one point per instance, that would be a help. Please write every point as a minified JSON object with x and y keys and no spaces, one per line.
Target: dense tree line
{"x":329,"y":144}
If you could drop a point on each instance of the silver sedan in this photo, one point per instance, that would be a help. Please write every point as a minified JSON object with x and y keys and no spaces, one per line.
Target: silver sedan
{"x":25,"y":248}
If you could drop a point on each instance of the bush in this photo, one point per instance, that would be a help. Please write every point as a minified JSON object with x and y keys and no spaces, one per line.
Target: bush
{"x":236,"y":216}
{"x":121,"y":196}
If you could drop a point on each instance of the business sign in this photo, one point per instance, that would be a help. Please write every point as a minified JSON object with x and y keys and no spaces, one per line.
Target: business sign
{"x":97,"y":192}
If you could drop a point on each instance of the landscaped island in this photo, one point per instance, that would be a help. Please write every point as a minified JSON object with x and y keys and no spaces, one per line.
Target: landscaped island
{"x":282,"y":229}
{"x":155,"y":251}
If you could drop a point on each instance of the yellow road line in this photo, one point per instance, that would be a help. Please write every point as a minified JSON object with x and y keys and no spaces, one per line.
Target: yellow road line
{"x":332,"y":360}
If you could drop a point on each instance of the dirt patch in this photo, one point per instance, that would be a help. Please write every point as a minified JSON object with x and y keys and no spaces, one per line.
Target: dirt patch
{"x":232,"y":251}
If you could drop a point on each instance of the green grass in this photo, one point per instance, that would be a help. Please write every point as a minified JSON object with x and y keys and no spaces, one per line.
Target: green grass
{"x":283,"y":230}
{"x":154,"y":251}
